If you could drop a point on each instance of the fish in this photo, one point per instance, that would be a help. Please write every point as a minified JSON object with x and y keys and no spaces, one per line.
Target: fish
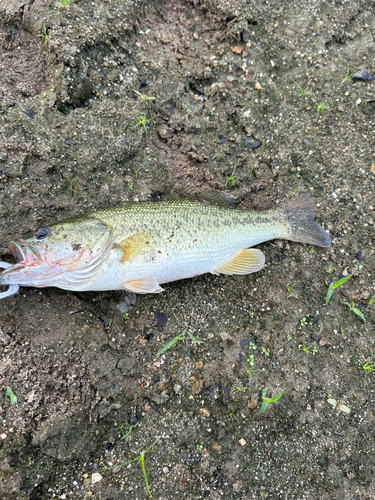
{"x":140,"y":246}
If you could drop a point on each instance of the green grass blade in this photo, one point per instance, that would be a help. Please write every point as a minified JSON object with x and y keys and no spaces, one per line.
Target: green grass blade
{"x":181,"y":336}
{"x":329,"y":294}
{"x":342,"y":281}
{"x":263,"y":408}
{"x":275,"y":398}
{"x":359,"y":313}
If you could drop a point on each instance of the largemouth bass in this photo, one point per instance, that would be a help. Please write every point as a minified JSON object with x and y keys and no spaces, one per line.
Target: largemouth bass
{"x":138,"y":247}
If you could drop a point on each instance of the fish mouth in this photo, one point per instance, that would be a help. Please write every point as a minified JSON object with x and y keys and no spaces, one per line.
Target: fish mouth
{"x":24,"y":252}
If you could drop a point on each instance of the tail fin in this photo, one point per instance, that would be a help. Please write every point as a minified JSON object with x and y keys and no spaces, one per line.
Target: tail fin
{"x":300,"y":213}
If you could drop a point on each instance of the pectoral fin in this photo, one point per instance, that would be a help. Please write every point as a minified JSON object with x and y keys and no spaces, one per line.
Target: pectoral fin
{"x":143,"y":285}
{"x":136,"y":244}
{"x":247,"y":261}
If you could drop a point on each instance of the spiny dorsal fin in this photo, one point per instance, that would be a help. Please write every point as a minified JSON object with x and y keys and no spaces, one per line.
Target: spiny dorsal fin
{"x":247,"y":261}
{"x":149,"y":284}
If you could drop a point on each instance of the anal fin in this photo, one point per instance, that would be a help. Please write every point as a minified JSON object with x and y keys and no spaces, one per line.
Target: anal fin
{"x":247,"y":261}
{"x":149,"y":284}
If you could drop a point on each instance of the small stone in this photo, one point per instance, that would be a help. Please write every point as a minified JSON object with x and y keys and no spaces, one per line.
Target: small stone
{"x":373,"y":167}
{"x":197,"y":387}
{"x":177,"y":388}
{"x":242,"y":442}
{"x":204,"y":412}
{"x":252,"y":143}
{"x":180,"y":360}
{"x":216,"y":447}
{"x":199,"y":365}
{"x":324,"y":342}
{"x":258,"y":86}
{"x":363,"y":75}
{"x":96,"y":477}
{"x":238,"y":49}
{"x":165,"y":470}
{"x":3,"y":436}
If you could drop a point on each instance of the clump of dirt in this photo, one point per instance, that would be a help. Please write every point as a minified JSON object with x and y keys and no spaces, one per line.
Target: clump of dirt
{"x":116,"y":102}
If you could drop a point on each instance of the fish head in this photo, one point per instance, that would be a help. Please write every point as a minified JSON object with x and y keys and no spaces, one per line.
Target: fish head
{"x":73,"y":247}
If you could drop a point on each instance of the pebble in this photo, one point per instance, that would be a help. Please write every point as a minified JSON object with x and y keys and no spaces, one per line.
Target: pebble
{"x":258,"y":86}
{"x":96,"y":477}
{"x":238,"y":49}
{"x":363,"y":75}
{"x":216,"y":447}
{"x":252,"y":143}
{"x":197,"y":387}
{"x":3,"y":436}
{"x":242,"y":442}
{"x":324,"y":342}
{"x":199,"y":365}
{"x":204,"y":412}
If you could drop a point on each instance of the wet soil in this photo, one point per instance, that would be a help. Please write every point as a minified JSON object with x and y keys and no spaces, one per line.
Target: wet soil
{"x":103,"y":103}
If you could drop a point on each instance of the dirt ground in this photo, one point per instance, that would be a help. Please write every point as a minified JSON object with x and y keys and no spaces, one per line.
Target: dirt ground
{"x":103,"y":103}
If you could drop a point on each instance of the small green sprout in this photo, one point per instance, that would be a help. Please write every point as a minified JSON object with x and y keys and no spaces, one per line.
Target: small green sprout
{"x":333,"y":286}
{"x":267,"y":401}
{"x":251,"y":314}
{"x":219,"y":155}
{"x":142,"y":121}
{"x":199,"y":447}
{"x":307,"y":349}
{"x":123,"y":428}
{"x":64,"y":2}
{"x":371,"y":302}
{"x":125,"y":316}
{"x":230,"y":178}
{"x":348,"y":75}
{"x":223,"y":63}
{"x":312,"y":249}
{"x":13,"y":399}
{"x":289,"y":337}
{"x":143,"y":97}
{"x":335,"y":404}
{"x":139,"y":460}
{"x":369,"y":366}
{"x":52,"y":89}
{"x":355,"y":310}
{"x":289,"y":289}
{"x":178,"y":338}
{"x":321,"y":106}
{"x":265,"y":351}
{"x":303,"y":321}
{"x":145,"y":32}
{"x":232,"y":416}
{"x":130,"y":186}
{"x":301,"y":91}
{"x":45,"y":35}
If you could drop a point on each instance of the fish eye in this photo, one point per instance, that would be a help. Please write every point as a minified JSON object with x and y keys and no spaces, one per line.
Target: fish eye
{"x":42,"y":233}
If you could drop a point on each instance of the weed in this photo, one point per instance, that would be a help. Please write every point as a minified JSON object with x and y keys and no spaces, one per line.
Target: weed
{"x":142,"y":121}
{"x":143,"y":97}
{"x":45,"y":35}
{"x":71,"y":185}
{"x":145,"y":32}
{"x":267,"y":401}
{"x":232,"y":416}
{"x":178,"y":338}
{"x":230,"y":178}
{"x":139,"y":460}
{"x":241,"y":387}
{"x":371,"y":302}
{"x":128,"y":429}
{"x":219,"y":155}
{"x":289,"y":337}
{"x":312,"y":250}
{"x":321,"y":106}
{"x":289,"y":289}
{"x":13,"y":399}
{"x":64,"y":2}
{"x":223,"y":63}
{"x":301,"y":91}
{"x":307,"y":349}
{"x":303,"y":321}
{"x":125,"y":316}
{"x":52,"y":89}
{"x":251,"y":314}
{"x":355,"y":310}
{"x":348,"y":75}
{"x":199,"y":447}
{"x":130,"y":186}
{"x":333,"y":286}
{"x":265,"y":351}
{"x":369,"y":366}
{"x":335,"y":404}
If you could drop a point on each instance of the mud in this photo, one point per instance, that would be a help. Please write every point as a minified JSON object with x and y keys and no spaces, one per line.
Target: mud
{"x":103,"y":103}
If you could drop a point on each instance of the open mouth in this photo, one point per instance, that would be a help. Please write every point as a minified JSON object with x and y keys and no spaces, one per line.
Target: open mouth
{"x":24,"y":252}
